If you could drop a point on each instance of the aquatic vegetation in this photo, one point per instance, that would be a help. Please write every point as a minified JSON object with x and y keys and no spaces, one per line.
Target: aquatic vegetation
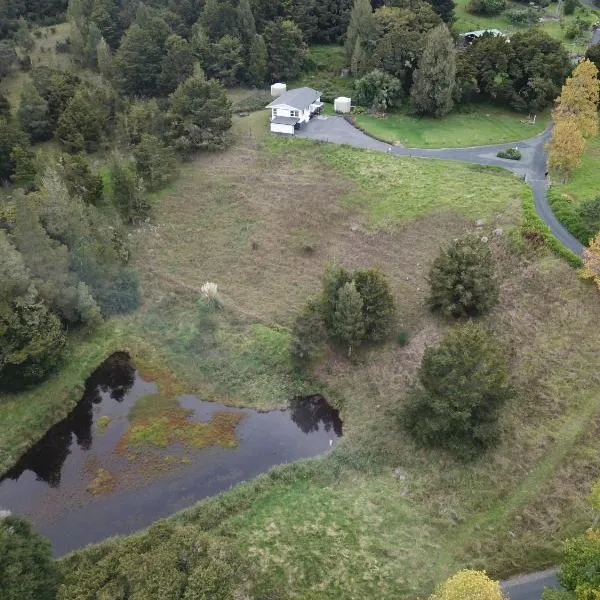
{"x":103,"y":422}
{"x":103,"y":483}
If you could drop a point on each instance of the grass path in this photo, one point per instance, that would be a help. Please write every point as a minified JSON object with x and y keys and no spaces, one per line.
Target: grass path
{"x":526,"y":492}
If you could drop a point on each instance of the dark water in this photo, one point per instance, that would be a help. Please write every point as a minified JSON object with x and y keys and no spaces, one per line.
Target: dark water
{"x":50,"y":482}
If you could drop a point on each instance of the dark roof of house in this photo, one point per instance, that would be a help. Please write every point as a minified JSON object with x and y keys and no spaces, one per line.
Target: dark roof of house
{"x":285,"y":120}
{"x":300,"y":98}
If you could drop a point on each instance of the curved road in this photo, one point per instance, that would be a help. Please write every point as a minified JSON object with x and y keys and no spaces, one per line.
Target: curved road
{"x":532,"y":166}
{"x":529,"y":587}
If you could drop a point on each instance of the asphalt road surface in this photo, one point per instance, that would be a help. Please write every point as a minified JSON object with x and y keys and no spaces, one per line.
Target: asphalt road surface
{"x":529,"y":587}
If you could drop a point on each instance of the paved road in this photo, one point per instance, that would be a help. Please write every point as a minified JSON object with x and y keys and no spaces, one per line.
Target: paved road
{"x":532,"y":166}
{"x":529,"y":587}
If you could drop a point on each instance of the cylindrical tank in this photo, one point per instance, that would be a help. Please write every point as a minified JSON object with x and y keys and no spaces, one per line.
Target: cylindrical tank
{"x":277,"y":89}
{"x":342,"y":104}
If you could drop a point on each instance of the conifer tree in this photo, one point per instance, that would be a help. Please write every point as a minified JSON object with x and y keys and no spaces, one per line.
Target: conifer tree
{"x":348,"y":320}
{"x":257,"y":62}
{"x":104,"y":59}
{"x":33,"y":115}
{"x":362,"y":24}
{"x":435,"y":79}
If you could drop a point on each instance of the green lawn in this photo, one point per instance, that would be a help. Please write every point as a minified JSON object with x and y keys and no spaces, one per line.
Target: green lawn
{"x":475,"y":126}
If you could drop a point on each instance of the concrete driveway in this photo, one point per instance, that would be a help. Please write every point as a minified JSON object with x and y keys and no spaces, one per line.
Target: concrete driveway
{"x":531,"y":167}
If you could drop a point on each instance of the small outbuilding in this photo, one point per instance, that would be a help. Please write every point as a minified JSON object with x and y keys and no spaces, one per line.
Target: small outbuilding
{"x":277,"y":89}
{"x":470,"y":36}
{"x":342,"y":104}
{"x":294,"y":108}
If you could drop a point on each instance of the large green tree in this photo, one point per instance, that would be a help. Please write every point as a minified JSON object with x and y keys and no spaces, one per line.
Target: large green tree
{"x":31,"y":337}
{"x":362,"y":25}
{"x":199,"y":116}
{"x":10,"y":137}
{"x":258,"y":67}
{"x":462,"y":385}
{"x":177,"y":64}
{"x":434,"y":81}
{"x":33,"y":114}
{"x":463,"y":278}
{"x":27,"y":570}
{"x":219,"y":18}
{"x":224,"y":60}
{"x":139,"y":60}
{"x":285,"y":49}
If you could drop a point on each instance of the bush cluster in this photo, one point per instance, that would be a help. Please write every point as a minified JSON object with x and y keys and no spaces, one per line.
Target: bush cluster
{"x":510,"y":153}
{"x":353,"y":308}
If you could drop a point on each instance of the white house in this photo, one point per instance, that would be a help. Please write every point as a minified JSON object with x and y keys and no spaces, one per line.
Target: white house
{"x":470,"y":36}
{"x":293,"y":108}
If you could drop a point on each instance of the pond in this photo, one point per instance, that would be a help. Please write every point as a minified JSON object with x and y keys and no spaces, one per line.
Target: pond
{"x":128,"y":455}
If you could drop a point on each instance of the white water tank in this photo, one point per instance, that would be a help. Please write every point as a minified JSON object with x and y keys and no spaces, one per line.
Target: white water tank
{"x":277,"y":89}
{"x":342,"y":104}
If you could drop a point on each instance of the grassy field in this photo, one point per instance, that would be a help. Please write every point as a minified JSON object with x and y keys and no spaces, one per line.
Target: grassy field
{"x":470,"y":126}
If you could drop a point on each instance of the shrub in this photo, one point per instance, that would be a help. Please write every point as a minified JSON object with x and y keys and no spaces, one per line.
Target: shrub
{"x":462,"y":278}
{"x":510,"y":153}
{"x":579,"y":567}
{"x":570,"y":6}
{"x":486,"y":7}
{"x":462,"y":384}
{"x":308,"y":334}
{"x":27,"y":570}
{"x":589,"y":215}
{"x":468,"y":585}
{"x":154,"y":162}
{"x":403,"y":338}
{"x":127,"y":191}
{"x":210,"y":296}
{"x":378,"y":90}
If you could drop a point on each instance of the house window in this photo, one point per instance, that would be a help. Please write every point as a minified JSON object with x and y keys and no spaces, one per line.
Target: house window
{"x":274,"y":112}
{"x":294,"y":113}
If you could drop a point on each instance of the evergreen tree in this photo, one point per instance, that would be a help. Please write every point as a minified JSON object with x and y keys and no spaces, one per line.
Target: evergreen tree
{"x":24,"y":170}
{"x":335,"y":277}
{"x":139,"y":59}
{"x":219,"y":18}
{"x":359,"y":65}
{"x":285,"y":49}
{"x":27,"y":569}
{"x":79,"y":179}
{"x":127,"y":191}
{"x":224,"y":60}
{"x":308,"y":334}
{"x":177,"y":64}
{"x":257,"y":62}
{"x":33,"y":114}
{"x":362,"y":25}
{"x":246,"y":24}
{"x":5,"y":108}
{"x":463,"y":383}
{"x":104,"y":59}
{"x":82,"y":123}
{"x":432,"y":92}
{"x":444,"y":8}
{"x":155,"y":163}
{"x":105,"y":15}
{"x":462,"y":278}
{"x":10,"y":137}
{"x":8,"y":57}
{"x":31,"y":338}
{"x":348,"y":321}
{"x":378,"y":303}
{"x":200,"y":115}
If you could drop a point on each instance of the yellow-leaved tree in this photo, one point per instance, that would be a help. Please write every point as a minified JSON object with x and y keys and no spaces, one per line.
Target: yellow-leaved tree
{"x":566,"y":147}
{"x":579,"y":98}
{"x":591,"y":270}
{"x":468,"y":585}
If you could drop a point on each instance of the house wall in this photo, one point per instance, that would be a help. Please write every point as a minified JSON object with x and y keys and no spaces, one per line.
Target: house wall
{"x":303,"y":115}
{"x":279,"y":128}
